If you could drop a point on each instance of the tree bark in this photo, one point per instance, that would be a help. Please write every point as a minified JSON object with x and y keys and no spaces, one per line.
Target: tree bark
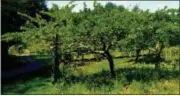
{"x":111,"y":63}
{"x":56,"y":60}
{"x":110,"y":60}
{"x":158,"y":57}
{"x":157,"y":66}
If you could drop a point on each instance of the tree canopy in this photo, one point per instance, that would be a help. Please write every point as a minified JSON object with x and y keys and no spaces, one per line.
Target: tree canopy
{"x":104,"y":28}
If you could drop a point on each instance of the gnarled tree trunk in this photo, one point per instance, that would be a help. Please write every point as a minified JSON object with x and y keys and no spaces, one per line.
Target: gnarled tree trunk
{"x":111,"y":63}
{"x":110,"y":60}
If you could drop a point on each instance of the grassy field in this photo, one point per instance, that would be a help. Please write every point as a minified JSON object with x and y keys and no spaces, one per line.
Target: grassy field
{"x":94,"y":78}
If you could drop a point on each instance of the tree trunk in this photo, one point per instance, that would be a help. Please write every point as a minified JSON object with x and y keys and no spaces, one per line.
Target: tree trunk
{"x":158,"y":57}
{"x":111,"y":63}
{"x":56,"y":60}
{"x":157,"y":67}
{"x":137,"y":54}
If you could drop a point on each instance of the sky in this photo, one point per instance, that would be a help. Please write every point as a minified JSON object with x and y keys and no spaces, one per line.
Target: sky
{"x":151,"y":5}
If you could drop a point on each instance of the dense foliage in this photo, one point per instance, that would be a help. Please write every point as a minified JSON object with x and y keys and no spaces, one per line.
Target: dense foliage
{"x":11,"y":22}
{"x":100,"y":30}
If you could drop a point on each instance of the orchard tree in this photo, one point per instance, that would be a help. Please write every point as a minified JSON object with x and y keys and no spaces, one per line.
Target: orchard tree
{"x":55,"y":32}
{"x":103,"y":29}
{"x":139,"y":34}
{"x":174,"y":19}
{"x":165,"y":28}
{"x":110,"y":6}
{"x":121,"y":7}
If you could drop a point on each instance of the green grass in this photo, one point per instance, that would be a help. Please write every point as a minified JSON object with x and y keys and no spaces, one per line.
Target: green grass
{"x":94,"y":78}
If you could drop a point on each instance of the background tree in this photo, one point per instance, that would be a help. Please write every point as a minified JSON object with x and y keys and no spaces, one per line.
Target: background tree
{"x":174,"y":14}
{"x":139,"y":34}
{"x":121,"y":7}
{"x":110,"y":5}
{"x":164,"y":28}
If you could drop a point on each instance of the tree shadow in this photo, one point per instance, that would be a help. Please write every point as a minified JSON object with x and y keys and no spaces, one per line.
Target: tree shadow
{"x":92,"y":82}
{"x":148,"y":59}
{"x":21,"y":89}
{"x":11,"y":62}
{"x":124,"y":75}
{"x":146,"y":74}
{"x":43,"y":72}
